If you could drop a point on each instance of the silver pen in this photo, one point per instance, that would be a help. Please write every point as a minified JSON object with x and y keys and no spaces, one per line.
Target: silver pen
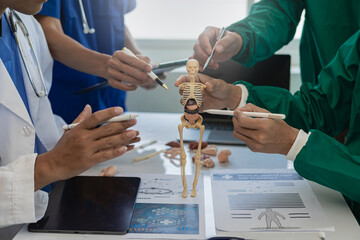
{"x":120,"y":118}
{"x":221,"y":34}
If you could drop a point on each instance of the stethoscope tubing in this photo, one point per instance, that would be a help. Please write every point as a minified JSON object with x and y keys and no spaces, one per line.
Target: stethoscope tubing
{"x":15,"y":21}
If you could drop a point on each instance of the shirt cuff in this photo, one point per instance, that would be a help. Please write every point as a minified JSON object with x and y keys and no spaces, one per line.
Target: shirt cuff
{"x":23,"y":190}
{"x":299,"y":143}
{"x":244,"y":95}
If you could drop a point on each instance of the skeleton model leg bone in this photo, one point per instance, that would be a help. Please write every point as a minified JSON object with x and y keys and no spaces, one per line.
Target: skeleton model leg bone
{"x":197,"y":125}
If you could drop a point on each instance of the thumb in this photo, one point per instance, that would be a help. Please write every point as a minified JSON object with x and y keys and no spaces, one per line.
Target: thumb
{"x":223,"y":44}
{"x":252,"y":108}
{"x":86,"y":113}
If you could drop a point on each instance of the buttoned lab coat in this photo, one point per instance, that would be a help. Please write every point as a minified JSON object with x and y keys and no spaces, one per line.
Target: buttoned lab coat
{"x":18,"y":201}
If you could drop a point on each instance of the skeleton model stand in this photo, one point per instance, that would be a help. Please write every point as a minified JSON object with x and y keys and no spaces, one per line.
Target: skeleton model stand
{"x":192,"y":100}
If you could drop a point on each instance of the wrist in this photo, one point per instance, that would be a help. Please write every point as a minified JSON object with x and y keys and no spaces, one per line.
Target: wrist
{"x":239,"y":45}
{"x":234,"y":97}
{"x":292,"y":137}
{"x":45,"y":171}
{"x":104,"y":66}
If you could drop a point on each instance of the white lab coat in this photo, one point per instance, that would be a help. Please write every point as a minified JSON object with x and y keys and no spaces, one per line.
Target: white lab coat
{"x":18,"y":201}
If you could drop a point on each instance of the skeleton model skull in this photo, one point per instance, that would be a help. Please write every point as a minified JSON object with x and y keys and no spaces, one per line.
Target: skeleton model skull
{"x":192,"y":100}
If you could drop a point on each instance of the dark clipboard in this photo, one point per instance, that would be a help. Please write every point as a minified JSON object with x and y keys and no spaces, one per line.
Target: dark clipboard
{"x":87,"y":204}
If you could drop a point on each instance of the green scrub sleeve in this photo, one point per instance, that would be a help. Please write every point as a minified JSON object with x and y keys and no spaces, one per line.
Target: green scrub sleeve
{"x":270,"y":25}
{"x":327,"y":106}
{"x":337,"y":169}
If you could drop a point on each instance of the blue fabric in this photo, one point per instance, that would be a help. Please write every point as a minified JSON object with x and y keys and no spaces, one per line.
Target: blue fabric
{"x":11,"y":59}
{"x":107,"y":17}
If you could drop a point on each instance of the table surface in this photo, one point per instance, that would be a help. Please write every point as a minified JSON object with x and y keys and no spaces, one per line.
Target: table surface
{"x":163,"y":128}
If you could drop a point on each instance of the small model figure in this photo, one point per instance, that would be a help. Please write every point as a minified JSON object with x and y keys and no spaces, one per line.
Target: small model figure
{"x":224,"y":156}
{"x":210,"y":150}
{"x":108,"y":172}
{"x":192,"y":100}
{"x":207,"y":162}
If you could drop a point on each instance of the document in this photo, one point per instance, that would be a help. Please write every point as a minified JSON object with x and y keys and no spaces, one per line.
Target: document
{"x":265,"y":200}
{"x":161,"y":211}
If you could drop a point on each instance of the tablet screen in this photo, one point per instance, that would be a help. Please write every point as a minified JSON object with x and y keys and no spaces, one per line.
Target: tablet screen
{"x":87,"y":204}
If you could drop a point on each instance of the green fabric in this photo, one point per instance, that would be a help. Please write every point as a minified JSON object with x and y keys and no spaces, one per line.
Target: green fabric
{"x":329,"y":107}
{"x":272,"y":24}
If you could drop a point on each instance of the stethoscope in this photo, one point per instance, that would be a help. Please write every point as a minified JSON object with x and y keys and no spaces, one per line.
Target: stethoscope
{"x":15,"y":22}
{"x":85,"y":23}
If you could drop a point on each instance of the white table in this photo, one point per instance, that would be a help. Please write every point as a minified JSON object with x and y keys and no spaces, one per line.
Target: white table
{"x":163,"y":128}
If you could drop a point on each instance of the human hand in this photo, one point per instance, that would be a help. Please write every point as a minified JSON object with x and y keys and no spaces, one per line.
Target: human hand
{"x":228,"y":46}
{"x":85,"y":145}
{"x":153,"y":84}
{"x":217,"y":93}
{"x":127,"y":72}
{"x":263,"y":134}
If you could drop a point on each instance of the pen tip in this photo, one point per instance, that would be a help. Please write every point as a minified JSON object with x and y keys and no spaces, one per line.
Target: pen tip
{"x":164,"y":86}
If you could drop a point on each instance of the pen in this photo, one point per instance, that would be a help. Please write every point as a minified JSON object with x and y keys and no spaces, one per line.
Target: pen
{"x":322,"y":235}
{"x":151,"y":74}
{"x":221,"y":34}
{"x":148,"y":156}
{"x":120,"y":118}
{"x":144,"y":145}
{"x":250,"y":114}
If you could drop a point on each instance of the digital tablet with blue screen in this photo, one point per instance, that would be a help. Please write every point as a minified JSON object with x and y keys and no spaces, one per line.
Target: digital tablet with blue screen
{"x":89,"y":204}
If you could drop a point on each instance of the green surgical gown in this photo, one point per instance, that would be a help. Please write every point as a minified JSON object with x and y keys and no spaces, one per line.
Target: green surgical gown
{"x":329,"y":107}
{"x":325,"y":110}
{"x":271,"y":24}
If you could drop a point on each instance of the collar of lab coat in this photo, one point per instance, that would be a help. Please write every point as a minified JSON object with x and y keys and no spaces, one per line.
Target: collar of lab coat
{"x":10,"y":97}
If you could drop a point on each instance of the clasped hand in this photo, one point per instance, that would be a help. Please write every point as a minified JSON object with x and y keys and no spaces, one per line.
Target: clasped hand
{"x":263,"y":134}
{"x":85,"y":146}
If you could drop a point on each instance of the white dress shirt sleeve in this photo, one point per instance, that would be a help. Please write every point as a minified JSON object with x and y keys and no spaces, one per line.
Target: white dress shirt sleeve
{"x":244,"y":95}
{"x":299,"y":143}
{"x":18,"y":201}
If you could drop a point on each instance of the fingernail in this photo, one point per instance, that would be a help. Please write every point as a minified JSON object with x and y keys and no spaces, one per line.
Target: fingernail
{"x":148,"y":68}
{"x":123,"y":149}
{"x":119,"y":110}
{"x":131,"y":134}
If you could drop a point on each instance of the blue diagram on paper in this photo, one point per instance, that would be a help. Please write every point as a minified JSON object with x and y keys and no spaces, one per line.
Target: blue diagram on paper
{"x":165,"y":218}
{"x":256,"y":176}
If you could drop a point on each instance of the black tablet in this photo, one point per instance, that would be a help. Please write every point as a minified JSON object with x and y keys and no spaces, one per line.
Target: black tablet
{"x":85,"y":204}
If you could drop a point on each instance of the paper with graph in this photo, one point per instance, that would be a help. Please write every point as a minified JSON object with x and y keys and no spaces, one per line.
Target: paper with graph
{"x":265,"y":200}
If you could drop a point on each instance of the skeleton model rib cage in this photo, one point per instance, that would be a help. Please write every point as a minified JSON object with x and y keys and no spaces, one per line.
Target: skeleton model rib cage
{"x":192,"y":100}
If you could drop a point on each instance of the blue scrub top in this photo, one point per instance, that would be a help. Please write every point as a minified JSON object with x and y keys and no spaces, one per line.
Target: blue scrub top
{"x":107,"y":17}
{"x":10,"y":57}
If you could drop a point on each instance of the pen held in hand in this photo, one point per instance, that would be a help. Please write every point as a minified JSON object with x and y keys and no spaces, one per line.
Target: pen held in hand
{"x":120,"y":118}
{"x":250,"y":114}
{"x":221,"y":34}
{"x":151,"y":74}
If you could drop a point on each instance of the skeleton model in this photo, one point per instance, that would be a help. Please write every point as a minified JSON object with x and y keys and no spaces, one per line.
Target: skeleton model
{"x":192,"y":100}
